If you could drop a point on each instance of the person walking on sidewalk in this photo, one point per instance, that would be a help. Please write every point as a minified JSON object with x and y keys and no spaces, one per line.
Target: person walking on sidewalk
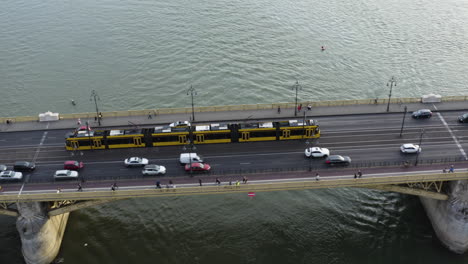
{"x":452,"y":169}
{"x":299,"y":107}
{"x":149,"y":116}
{"x":359,"y":173}
{"x":218,"y":182}
{"x":200,"y":182}
{"x":80,"y":188}
{"x":317,"y":176}
{"x":279,"y":109}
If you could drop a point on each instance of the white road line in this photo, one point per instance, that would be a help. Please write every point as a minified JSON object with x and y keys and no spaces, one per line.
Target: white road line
{"x":35,"y":157}
{"x":452,"y":134}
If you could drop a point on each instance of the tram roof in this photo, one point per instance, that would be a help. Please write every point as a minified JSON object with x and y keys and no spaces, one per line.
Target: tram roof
{"x":211,"y":127}
{"x":121,"y":132}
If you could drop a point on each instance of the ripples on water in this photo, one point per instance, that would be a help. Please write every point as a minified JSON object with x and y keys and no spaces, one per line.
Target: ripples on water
{"x":145,"y":54}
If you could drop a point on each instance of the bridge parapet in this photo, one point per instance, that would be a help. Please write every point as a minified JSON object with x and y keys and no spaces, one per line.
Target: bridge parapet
{"x":369,"y":181}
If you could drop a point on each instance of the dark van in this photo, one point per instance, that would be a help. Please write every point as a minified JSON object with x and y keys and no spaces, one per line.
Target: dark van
{"x":24,"y":166}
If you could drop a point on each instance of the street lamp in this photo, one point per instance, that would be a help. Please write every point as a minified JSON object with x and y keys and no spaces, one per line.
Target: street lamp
{"x":192,"y":92}
{"x":296,"y":87}
{"x":403,"y":122}
{"x":96,"y":98}
{"x":391,"y":83}
{"x":419,"y":150}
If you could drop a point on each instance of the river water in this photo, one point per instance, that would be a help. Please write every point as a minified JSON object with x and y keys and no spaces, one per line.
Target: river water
{"x":146,"y":54}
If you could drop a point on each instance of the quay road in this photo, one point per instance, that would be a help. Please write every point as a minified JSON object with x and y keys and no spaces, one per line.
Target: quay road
{"x":372,"y":140}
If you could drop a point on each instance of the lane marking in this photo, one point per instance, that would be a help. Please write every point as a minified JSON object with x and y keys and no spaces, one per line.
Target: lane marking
{"x":35,"y":158}
{"x":452,"y":134}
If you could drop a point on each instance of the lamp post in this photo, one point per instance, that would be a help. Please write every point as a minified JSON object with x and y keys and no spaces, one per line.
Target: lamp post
{"x":391,"y":83}
{"x":296,"y":87}
{"x":96,"y":98}
{"x":403,"y":122}
{"x":192,"y":92}
{"x":419,"y":150}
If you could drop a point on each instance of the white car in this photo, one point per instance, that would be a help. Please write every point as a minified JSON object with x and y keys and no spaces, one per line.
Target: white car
{"x":135,"y":161}
{"x":11,"y":175}
{"x":65,"y":174}
{"x":180,"y":124}
{"x":317,"y":152}
{"x":410,"y":148}
{"x":154,"y":170}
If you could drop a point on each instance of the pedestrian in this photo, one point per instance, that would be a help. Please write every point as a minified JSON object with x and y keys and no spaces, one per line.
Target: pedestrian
{"x":237,"y":183}
{"x":359,"y":173}
{"x":309,"y":107}
{"x":158,"y":185}
{"x":245,"y":180}
{"x":149,"y":116}
{"x":452,"y":169}
{"x":171,"y":183}
{"x":1,"y":188}
{"x":279,"y":109}
{"x":444,"y":170}
{"x":317,"y":176}
{"x":95,"y":118}
{"x":200,"y":182}
{"x":355,"y":175}
{"x":299,"y":107}
{"x":80,"y":188}
{"x":100,"y":115}
{"x":114,"y":186}
{"x":59,"y":190}
{"x":218,"y":181}
{"x":79,"y":121}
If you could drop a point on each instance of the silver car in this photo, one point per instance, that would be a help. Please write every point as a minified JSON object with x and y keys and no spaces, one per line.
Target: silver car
{"x":316,"y":152}
{"x":135,"y":161}
{"x":11,"y":175}
{"x":154,"y":170}
{"x":65,"y":174}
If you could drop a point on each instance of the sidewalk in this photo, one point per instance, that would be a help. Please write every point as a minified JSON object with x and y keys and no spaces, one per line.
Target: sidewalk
{"x":223,"y":116}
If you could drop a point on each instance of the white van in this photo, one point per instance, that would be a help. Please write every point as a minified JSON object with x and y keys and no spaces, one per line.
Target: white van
{"x":186,"y":157}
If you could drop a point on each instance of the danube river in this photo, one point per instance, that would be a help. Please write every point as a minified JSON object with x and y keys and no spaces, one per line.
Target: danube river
{"x":146,"y":54}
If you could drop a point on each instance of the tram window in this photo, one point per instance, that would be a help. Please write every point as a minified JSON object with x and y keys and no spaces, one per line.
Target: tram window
{"x":119,"y":141}
{"x":218,"y":136}
{"x":83,"y":143}
{"x":297,"y":132}
{"x":263,"y":133}
{"x":166,"y":139}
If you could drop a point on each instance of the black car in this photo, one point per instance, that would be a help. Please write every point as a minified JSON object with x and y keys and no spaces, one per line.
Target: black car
{"x":463,"y":118}
{"x":338,"y":160}
{"x":422,"y":113}
{"x":24,"y":166}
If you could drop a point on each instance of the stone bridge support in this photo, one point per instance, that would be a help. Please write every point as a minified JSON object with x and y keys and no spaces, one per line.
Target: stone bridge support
{"x":41,"y":235}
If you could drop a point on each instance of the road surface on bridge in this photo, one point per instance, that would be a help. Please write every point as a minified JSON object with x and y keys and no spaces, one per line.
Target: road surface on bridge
{"x":371,"y":140}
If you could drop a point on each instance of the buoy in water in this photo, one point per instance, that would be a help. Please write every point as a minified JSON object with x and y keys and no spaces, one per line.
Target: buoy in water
{"x":323,"y":48}
{"x":73,"y":102}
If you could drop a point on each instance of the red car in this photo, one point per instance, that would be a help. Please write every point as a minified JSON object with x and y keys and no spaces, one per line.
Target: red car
{"x":198,"y":167}
{"x":73,"y":165}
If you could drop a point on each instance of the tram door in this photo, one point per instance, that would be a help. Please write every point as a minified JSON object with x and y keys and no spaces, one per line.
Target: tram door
{"x":309,"y":132}
{"x":200,"y":138}
{"x":74,"y":144}
{"x":137,"y":141}
{"x":245,"y":135}
{"x":286,"y":133}
{"x":182,"y":139}
{"x":97,"y":143}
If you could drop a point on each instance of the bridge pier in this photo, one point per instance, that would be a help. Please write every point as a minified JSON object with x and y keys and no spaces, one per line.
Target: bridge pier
{"x":41,"y":235}
{"x":450,"y":218}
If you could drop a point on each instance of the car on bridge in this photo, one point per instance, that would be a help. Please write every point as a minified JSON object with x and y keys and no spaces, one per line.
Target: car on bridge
{"x":338,"y":160}
{"x":410,"y":148}
{"x":65,"y":174}
{"x":24,"y":166}
{"x":316,"y":152}
{"x":154,"y":170}
{"x":73,"y":165}
{"x":463,"y":118}
{"x":180,"y":124}
{"x":422,"y":113}
{"x":135,"y":162}
{"x":11,"y":175}
{"x":197,"y":167}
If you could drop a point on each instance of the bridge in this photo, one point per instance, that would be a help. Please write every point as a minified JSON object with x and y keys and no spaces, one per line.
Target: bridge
{"x":366,"y":132}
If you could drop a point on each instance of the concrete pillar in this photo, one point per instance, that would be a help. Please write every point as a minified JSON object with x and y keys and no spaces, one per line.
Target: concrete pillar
{"x":41,"y":235}
{"x":450,"y":218}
